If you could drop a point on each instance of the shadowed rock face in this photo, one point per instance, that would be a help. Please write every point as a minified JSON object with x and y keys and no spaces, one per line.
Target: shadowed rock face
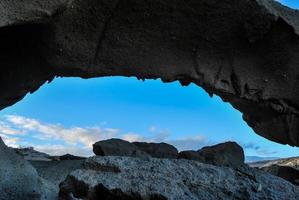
{"x":244,"y":51}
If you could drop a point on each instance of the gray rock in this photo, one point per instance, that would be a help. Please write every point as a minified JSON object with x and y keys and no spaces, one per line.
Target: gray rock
{"x":117,"y":178}
{"x":158,"y":150}
{"x":54,"y":172}
{"x":225,"y":154}
{"x":245,"y":51}
{"x":117,"y":147}
{"x":19,"y":180}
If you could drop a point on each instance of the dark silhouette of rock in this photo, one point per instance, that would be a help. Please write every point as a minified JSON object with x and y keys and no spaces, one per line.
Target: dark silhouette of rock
{"x":244,"y":51}
{"x":159,"y":179}
{"x":288,"y":173}
{"x":158,"y":150}
{"x":69,"y":157}
{"x":225,"y":154}
{"x":117,"y":147}
{"x":19,"y":180}
{"x":191,"y":155}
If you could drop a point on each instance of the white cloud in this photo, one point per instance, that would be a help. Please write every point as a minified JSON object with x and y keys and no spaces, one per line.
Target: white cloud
{"x":132,"y":137}
{"x":72,"y":136}
{"x":60,"y":140}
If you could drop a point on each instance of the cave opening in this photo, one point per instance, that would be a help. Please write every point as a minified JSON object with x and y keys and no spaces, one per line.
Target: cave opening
{"x":70,"y":114}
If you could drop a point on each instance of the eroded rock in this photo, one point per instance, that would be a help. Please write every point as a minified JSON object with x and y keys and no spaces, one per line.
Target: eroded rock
{"x":176,"y":179}
{"x":288,"y":173}
{"x":244,"y":51}
{"x":19,"y":180}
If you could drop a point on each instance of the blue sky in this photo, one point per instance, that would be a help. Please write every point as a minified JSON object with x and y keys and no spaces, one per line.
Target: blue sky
{"x":70,"y":114}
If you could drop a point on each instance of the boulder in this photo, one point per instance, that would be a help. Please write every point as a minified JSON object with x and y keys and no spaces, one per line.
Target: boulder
{"x":225,"y":154}
{"x":115,"y":178}
{"x":288,"y":173}
{"x":190,"y":155}
{"x":117,"y":147}
{"x":19,"y":180}
{"x":158,"y":150}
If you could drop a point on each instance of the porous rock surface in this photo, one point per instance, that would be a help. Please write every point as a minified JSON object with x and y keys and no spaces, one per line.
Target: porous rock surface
{"x":245,"y":51}
{"x":19,"y":180}
{"x":116,"y":178}
{"x":117,"y":147}
{"x":158,"y":150}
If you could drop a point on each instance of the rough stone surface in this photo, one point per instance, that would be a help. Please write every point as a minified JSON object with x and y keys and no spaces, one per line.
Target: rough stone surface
{"x":158,"y":150}
{"x":244,"y":51}
{"x":224,"y":154}
{"x":288,"y":173}
{"x":19,"y":180}
{"x":54,"y":172}
{"x":117,"y":147}
{"x":175,"y":179}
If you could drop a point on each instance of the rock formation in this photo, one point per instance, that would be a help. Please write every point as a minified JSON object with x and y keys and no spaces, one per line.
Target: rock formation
{"x":115,"y":178}
{"x":117,"y":147}
{"x":31,"y":154}
{"x":288,"y":173}
{"x":19,"y":180}
{"x":244,"y":51}
{"x":228,"y":154}
{"x":158,"y":150}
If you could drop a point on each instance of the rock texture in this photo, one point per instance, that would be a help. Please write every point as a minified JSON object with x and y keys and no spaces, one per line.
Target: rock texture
{"x":19,"y":180}
{"x":288,"y":173}
{"x":136,"y":178}
{"x":287,"y":168}
{"x":158,"y":150}
{"x":244,"y":51}
{"x":117,"y":147}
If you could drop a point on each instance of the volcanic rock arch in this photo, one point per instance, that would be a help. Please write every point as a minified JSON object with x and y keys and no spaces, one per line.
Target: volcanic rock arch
{"x":245,"y":51}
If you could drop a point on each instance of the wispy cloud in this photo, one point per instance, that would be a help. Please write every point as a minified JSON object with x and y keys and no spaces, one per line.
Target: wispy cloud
{"x":258,"y":149}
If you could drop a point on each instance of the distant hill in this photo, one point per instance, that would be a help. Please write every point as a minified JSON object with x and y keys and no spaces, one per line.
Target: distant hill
{"x":290,"y":162}
{"x":250,"y":159}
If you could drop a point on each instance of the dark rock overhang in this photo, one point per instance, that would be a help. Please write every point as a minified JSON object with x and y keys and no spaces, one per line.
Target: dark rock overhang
{"x":245,"y":51}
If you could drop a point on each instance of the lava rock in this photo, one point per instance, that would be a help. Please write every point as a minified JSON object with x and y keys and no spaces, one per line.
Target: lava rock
{"x":19,"y":179}
{"x":117,"y":147}
{"x":225,"y":154}
{"x":191,"y":155}
{"x":114,"y":178}
{"x":288,"y":173}
{"x":158,"y":150}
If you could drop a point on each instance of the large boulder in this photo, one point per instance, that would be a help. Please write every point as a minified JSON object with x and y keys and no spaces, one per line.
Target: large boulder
{"x":19,"y":180}
{"x":117,"y":147}
{"x":158,"y":150}
{"x":225,"y":154}
{"x":288,"y":173}
{"x":117,"y":178}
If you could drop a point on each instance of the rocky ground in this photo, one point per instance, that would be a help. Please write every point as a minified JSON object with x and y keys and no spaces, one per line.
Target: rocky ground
{"x":137,"y":171}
